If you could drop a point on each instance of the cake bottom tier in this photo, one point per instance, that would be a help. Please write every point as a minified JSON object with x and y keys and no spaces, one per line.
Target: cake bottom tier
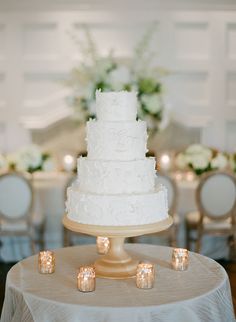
{"x":117,"y":210}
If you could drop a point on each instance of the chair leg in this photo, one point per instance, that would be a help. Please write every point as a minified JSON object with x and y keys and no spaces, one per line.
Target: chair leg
{"x":41,"y":236}
{"x":232,"y":248}
{"x":32,"y":245}
{"x":172,"y":236}
{"x":198,"y":242}
{"x":188,"y":237}
{"x":66,"y":237}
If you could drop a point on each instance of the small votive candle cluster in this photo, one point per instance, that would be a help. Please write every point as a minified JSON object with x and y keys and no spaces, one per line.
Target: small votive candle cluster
{"x":145,"y":275}
{"x":180,"y":259}
{"x":86,"y":279}
{"x":103,"y":245}
{"x":46,"y":262}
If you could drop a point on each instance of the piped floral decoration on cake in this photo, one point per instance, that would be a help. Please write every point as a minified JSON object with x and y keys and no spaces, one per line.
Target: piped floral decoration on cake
{"x":27,"y":159}
{"x":201,"y":159}
{"x":108,"y":73}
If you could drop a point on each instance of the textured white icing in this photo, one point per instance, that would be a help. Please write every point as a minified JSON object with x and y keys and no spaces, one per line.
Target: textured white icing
{"x":116,"y":140}
{"x":116,"y":106}
{"x":117,"y":210}
{"x":116,"y":177}
{"x":116,"y":183}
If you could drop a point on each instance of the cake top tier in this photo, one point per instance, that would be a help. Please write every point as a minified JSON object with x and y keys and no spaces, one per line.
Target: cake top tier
{"x":116,"y":106}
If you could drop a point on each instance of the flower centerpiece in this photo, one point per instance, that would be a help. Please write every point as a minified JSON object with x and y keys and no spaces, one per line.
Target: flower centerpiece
{"x":29,"y":159}
{"x":201,"y":159}
{"x":109,"y":74}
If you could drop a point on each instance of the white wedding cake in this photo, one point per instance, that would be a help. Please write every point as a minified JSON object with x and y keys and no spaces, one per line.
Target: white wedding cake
{"x":116,"y":182}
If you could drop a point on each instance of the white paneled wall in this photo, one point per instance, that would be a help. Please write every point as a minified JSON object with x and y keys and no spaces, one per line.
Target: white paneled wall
{"x":197,"y":47}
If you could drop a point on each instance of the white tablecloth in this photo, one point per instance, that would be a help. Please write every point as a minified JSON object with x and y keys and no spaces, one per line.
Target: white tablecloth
{"x":49,"y":200}
{"x":202,"y":293}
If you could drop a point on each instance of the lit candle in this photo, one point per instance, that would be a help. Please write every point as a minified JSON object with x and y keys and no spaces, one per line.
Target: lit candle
{"x":145,"y":275}
{"x":180,"y":259}
{"x":68,"y":162}
{"x":165,"y":162}
{"x":190,"y":176}
{"x":103,"y":245}
{"x":178,"y":176}
{"x":46,"y":262}
{"x":86,"y":279}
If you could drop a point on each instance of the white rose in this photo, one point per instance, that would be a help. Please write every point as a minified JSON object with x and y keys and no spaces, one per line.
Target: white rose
{"x":208,"y":153}
{"x":119,"y":77}
{"x":200,"y":161}
{"x":181,"y":161}
{"x":152,"y":102}
{"x":22,"y":165}
{"x":219,"y":162}
{"x":31,"y":156}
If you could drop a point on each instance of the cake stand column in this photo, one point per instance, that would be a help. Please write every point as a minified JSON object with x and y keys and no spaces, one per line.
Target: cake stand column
{"x":116,"y":263}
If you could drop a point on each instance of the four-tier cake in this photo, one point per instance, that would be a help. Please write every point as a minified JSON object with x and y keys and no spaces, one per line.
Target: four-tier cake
{"x":116,"y":181}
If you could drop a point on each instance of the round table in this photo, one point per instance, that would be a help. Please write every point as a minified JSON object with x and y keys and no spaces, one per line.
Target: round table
{"x":202,"y":293}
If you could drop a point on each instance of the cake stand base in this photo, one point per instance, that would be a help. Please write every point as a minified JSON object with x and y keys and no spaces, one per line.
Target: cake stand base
{"x":117,"y":263}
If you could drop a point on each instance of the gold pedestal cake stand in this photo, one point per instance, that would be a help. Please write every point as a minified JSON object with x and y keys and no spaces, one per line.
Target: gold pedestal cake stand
{"x":117,"y":263}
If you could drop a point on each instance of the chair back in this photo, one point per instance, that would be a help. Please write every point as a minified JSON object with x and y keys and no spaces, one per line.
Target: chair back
{"x":172,"y":191}
{"x":16,"y":197}
{"x":216,"y":195}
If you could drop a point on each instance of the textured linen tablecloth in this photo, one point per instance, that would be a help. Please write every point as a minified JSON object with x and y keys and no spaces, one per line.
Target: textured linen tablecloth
{"x":202,"y":293}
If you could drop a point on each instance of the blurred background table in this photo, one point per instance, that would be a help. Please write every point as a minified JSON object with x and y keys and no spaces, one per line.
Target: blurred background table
{"x":202,"y":293}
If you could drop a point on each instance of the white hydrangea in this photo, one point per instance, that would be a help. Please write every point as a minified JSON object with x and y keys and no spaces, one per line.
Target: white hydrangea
{"x":181,"y":161}
{"x":152,"y":102}
{"x":199,"y":161}
{"x":29,"y":157}
{"x":196,"y":149}
{"x":220,"y":161}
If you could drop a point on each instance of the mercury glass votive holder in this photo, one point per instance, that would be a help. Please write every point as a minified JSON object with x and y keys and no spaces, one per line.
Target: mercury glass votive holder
{"x":86,"y":279}
{"x":46,"y":262}
{"x":180,"y":259}
{"x":103,"y":245}
{"x":145,"y":275}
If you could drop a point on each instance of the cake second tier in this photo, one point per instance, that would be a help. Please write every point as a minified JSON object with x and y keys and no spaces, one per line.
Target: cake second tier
{"x":116,"y":177}
{"x":116,"y":140}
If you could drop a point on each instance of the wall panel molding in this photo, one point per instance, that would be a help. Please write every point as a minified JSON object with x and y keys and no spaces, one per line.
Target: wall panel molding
{"x":198,"y":48}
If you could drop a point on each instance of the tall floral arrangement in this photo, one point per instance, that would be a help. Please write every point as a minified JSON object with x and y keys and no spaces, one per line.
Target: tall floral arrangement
{"x":109,"y":74}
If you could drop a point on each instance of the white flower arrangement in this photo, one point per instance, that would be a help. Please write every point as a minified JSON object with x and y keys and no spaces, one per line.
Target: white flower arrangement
{"x":109,"y":74}
{"x":28,"y":159}
{"x":201,"y":159}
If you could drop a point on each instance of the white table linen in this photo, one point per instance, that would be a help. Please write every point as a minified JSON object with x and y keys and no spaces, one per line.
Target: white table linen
{"x":202,"y":293}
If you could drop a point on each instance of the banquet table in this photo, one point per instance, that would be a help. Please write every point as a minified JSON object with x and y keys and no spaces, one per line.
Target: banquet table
{"x":202,"y":293}
{"x":49,"y":191}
